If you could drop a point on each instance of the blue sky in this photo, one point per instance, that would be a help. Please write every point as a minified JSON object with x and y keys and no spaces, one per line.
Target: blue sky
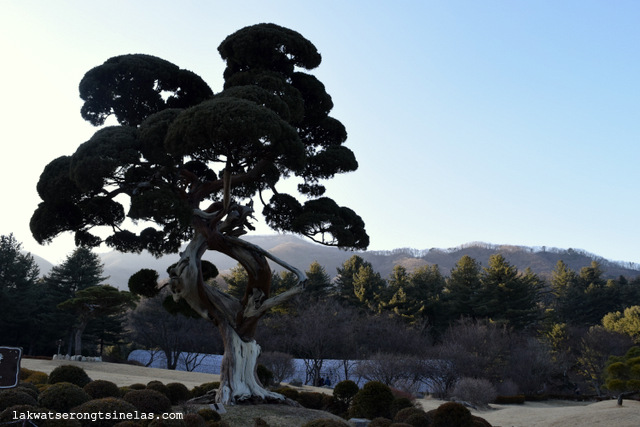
{"x":508,"y":122}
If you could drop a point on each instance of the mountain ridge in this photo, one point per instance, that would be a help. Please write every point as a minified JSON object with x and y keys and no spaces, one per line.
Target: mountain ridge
{"x":301,"y":253}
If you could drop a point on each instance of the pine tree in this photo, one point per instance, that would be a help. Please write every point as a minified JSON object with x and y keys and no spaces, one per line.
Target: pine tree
{"x":367,"y":285}
{"x":80,"y":270}
{"x":506,"y":296}
{"x":345,"y":277}
{"x":463,"y":289}
{"x":19,"y":299}
{"x":318,"y":282}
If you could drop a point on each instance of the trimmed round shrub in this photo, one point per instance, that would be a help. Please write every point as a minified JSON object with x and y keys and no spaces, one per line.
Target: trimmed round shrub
{"x":178,"y":393}
{"x":24,"y":373}
{"x":345,"y":390}
{"x":311,"y":399}
{"x":373,"y":400}
{"x":148,"y":401}
{"x":398,"y":404}
{"x":12,"y":397}
{"x":158,"y":386}
{"x":137,"y":386}
{"x":264,"y":375}
{"x":288,"y":392}
{"x":33,"y":377}
{"x":209,"y":414}
{"x":380,"y":422}
{"x":108,"y":406}
{"x":69,"y":374}
{"x":28,"y":388}
{"x":452,"y":414}
{"x":194,"y":420}
{"x":419,"y":420}
{"x":325,"y":422}
{"x":480,"y":422}
{"x":404,"y":414}
{"x":202,"y":389}
{"x":62,"y":397}
{"x":98,"y":389}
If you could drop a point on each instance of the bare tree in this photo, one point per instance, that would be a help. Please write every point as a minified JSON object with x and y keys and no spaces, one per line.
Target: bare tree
{"x":316,"y":333}
{"x":531,"y":365}
{"x":595,"y":348}
{"x":475,"y":349}
{"x":392,"y":369}
{"x":153,"y":327}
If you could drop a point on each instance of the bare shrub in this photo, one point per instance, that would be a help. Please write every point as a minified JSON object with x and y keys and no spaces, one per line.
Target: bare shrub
{"x":438,"y":375}
{"x":476,"y":349}
{"x":531,"y":365}
{"x":394,"y":370}
{"x":478,"y":391}
{"x":279,"y":363}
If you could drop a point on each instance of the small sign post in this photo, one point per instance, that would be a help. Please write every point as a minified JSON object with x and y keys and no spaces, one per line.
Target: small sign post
{"x":10,"y":366}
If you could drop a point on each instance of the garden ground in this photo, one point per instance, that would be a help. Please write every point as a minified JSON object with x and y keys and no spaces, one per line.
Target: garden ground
{"x":531,"y":414}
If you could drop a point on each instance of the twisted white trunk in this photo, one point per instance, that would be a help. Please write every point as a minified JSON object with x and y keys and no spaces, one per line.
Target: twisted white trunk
{"x":235,"y":319}
{"x":238,"y":378}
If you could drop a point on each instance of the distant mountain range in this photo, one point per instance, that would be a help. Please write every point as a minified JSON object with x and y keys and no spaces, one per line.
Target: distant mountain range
{"x":301,"y":253}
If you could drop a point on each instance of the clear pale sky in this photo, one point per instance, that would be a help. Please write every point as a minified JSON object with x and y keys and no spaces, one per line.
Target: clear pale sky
{"x":508,"y":122}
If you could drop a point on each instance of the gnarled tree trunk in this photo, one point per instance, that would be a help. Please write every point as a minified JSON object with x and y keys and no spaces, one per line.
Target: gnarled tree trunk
{"x":236,"y":320}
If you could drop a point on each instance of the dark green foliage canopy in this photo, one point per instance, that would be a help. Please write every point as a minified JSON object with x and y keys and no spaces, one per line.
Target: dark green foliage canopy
{"x":177,"y":138}
{"x":143,"y":78}
{"x":98,"y":301}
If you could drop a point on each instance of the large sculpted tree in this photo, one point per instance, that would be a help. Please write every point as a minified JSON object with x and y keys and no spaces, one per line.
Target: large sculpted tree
{"x":189,"y":163}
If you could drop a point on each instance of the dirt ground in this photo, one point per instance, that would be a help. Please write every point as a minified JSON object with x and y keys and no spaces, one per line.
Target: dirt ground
{"x":531,"y":414}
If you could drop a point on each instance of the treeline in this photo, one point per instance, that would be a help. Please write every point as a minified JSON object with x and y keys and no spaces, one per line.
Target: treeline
{"x":498,"y":292}
{"x":59,"y":310}
{"x":512,"y":328}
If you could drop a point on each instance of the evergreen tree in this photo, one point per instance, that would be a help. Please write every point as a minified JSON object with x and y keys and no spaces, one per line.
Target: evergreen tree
{"x":367,"y":286}
{"x":427,"y":286}
{"x":345,"y":277}
{"x":237,"y":281}
{"x":568,"y":293}
{"x":399,"y":278}
{"x":395,"y":298}
{"x":506,"y":296}
{"x":92,"y":303}
{"x":20,"y":301}
{"x":318,"y":282}
{"x":462,"y":289}
{"x":192,"y":163}
{"x":283,"y":281}
{"x":627,"y":322}
{"x":599,"y":296}
{"x":80,"y":270}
